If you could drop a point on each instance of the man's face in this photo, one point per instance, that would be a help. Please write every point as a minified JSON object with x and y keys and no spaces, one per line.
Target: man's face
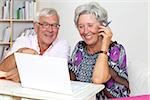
{"x":47,"y":29}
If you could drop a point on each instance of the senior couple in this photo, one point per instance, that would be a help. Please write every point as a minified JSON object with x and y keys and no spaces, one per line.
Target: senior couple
{"x":96,"y":59}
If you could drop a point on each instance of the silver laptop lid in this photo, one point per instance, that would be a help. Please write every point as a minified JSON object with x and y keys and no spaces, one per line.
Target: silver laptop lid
{"x":43,"y":73}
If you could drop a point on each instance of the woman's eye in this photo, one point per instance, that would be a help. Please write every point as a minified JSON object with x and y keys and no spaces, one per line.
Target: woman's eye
{"x":80,"y":27}
{"x":90,"y":25}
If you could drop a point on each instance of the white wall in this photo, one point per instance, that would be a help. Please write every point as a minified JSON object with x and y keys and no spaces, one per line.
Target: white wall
{"x":129,"y":26}
{"x":129,"y":23}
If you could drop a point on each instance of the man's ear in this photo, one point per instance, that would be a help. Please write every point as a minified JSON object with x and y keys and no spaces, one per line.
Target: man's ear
{"x":35,"y":25}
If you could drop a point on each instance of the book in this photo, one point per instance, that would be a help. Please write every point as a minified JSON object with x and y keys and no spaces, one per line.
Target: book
{"x":1,"y":52}
{"x":27,"y":9}
{"x":5,"y":52}
{"x":27,"y":32}
{"x":30,"y":9}
{"x":6,"y":10}
{"x":34,"y":10}
{"x":6,"y":34}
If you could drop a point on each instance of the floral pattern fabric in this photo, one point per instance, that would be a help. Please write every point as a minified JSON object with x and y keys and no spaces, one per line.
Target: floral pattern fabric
{"x":82,"y":64}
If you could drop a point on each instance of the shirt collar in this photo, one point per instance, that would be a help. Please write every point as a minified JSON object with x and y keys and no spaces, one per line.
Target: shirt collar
{"x":37,"y":46}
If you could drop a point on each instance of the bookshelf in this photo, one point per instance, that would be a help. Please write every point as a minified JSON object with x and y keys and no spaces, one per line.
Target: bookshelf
{"x":15,"y":16}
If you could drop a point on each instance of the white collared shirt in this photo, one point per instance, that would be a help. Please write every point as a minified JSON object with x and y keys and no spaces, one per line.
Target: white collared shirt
{"x":59,"y":47}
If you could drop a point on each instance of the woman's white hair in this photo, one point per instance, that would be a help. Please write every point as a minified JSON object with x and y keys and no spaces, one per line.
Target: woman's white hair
{"x":91,"y":8}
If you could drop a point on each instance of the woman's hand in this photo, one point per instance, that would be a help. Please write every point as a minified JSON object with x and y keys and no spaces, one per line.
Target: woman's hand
{"x":106,"y":35}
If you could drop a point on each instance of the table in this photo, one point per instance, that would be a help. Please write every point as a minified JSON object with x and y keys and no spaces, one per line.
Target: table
{"x":14,"y":91}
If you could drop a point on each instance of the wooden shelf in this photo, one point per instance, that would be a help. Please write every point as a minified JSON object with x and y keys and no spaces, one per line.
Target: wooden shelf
{"x":16,"y":25}
{"x":22,"y":20}
{"x":5,"y":20}
{"x":5,"y":43}
{"x":16,"y":20}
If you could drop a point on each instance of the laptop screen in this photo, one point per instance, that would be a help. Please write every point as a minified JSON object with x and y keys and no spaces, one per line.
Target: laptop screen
{"x":43,"y":73}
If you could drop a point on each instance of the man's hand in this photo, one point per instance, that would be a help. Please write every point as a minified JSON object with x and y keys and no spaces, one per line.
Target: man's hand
{"x":8,"y":65}
{"x":27,"y":50}
{"x":3,"y":74}
{"x":13,"y":75}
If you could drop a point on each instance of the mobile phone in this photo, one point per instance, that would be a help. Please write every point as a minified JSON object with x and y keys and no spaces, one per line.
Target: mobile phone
{"x":106,"y":26}
{"x":107,"y":23}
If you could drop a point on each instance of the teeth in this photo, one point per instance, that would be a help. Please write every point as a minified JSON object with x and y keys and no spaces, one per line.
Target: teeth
{"x":88,"y":36}
{"x":49,"y":34}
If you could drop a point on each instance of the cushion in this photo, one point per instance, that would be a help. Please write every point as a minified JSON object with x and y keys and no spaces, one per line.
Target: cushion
{"x":141,"y":97}
{"x":138,"y":78}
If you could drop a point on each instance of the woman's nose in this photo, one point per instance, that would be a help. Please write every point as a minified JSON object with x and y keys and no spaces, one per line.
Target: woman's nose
{"x":86,"y":30}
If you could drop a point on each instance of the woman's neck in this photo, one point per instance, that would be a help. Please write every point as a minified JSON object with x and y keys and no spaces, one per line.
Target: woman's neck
{"x":92,"y":49}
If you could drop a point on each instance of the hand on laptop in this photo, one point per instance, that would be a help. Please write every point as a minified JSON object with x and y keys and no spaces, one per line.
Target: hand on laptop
{"x":13,"y":75}
{"x":27,"y":50}
{"x":2,"y":74}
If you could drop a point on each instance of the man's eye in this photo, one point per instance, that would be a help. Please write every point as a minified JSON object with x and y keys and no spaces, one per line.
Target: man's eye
{"x":45,"y":24}
{"x":54,"y":25}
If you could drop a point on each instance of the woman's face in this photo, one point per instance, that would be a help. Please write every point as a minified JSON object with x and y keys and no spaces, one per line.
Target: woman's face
{"x":88,"y":28}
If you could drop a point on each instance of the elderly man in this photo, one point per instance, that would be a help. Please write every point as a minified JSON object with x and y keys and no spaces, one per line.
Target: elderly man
{"x":44,"y":43}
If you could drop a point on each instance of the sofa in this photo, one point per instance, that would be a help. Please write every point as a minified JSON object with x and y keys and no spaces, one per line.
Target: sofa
{"x":139,"y":76}
{"x":139,"y":81}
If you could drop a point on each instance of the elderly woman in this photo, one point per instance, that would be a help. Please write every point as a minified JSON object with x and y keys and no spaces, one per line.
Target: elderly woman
{"x":97,"y":59}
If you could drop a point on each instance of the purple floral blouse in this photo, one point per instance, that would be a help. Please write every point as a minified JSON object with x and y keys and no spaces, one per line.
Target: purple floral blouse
{"x":82,"y":63}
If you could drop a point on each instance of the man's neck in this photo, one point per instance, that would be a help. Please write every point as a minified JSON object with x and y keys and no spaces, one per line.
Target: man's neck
{"x":43,"y":48}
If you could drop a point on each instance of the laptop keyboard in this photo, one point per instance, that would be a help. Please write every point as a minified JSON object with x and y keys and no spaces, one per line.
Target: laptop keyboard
{"x":14,"y":88}
{"x":76,"y":87}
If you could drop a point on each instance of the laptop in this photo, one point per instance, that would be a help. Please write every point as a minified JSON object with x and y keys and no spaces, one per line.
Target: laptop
{"x":46,"y":73}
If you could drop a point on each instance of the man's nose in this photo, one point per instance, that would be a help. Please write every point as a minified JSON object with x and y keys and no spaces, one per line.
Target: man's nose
{"x":50,"y":29}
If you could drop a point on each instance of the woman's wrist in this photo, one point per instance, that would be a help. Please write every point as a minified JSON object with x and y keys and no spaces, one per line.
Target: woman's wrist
{"x":103,"y":52}
{"x":105,"y":46}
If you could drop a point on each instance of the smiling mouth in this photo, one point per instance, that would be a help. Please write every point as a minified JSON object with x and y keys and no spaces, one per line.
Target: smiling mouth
{"x":48,"y":34}
{"x":87,"y":37}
